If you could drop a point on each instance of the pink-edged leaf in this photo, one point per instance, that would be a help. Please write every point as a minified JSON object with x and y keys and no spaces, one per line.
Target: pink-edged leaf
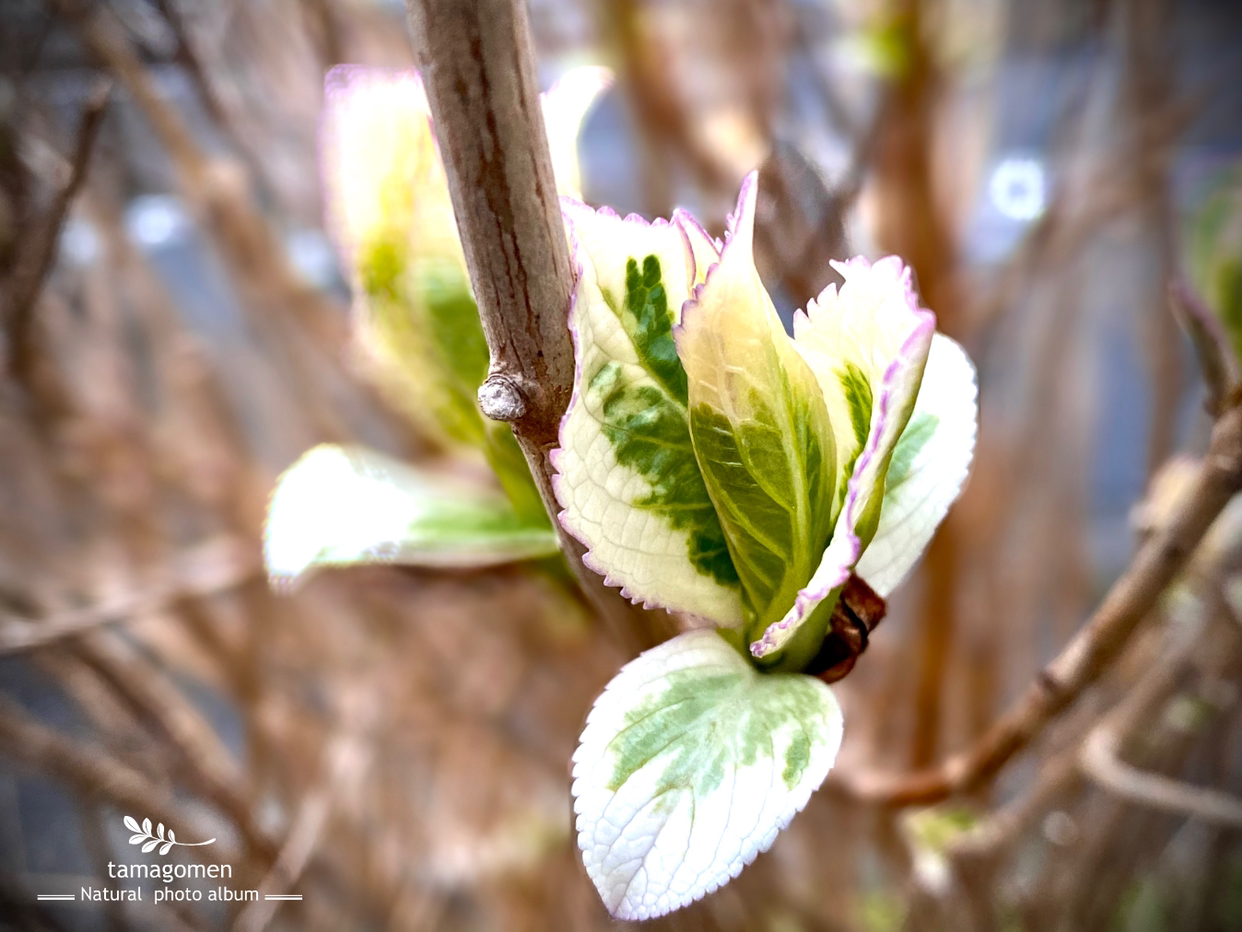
{"x":868,"y":345}
{"x":627,"y":478}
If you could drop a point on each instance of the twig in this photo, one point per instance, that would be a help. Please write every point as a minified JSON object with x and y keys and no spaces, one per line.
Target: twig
{"x":90,"y":772}
{"x":1102,"y":762}
{"x":33,"y":268}
{"x":479,"y":72}
{"x":1096,"y":645}
{"x":1100,"y":756}
{"x":345,"y":763}
{"x":1209,"y":342}
{"x":217,"y":191}
{"x":216,"y":566}
{"x":209,"y":766}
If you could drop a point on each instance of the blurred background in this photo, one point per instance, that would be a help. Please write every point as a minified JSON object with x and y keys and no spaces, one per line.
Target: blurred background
{"x":393,"y":744}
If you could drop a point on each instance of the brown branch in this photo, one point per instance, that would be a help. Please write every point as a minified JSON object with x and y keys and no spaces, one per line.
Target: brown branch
{"x":1208,"y":339}
{"x":206,"y":763}
{"x":479,"y":72}
{"x":345,"y":763}
{"x":1095,"y":646}
{"x":216,"y":566}
{"x":217,"y":190}
{"x":33,"y":268}
{"x":1101,"y":760}
{"x":92,"y":773}
{"x":1100,"y":754}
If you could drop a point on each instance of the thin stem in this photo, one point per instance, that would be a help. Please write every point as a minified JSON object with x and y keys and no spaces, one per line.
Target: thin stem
{"x":1093,"y":649}
{"x":41,"y":252}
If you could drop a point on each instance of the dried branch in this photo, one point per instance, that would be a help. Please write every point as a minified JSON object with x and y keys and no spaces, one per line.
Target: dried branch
{"x":33,"y":267}
{"x":345,"y":763}
{"x":217,"y":190}
{"x":208,"y":765}
{"x":479,"y":72}
{"x":1209,"y":341}
{"x":93,"y":773}
{"x":1100,"y":755}
{"x":217,"y":566}
{"x":1096,"y":645}
{"x":1101,"y":759}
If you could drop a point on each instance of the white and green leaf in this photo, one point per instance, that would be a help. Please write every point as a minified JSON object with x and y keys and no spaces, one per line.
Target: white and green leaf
{"x":759,"y":425}
{"x":690,"y":764}
{"x":928,"y":467}
{"x":868,"y":346}
{"x":388,"y":206}
{"x":341,"y":506}
{"x":627,"y":477}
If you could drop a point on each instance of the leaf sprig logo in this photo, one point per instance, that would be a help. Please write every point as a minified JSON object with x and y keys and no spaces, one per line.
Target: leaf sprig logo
{"x":143,"y":836}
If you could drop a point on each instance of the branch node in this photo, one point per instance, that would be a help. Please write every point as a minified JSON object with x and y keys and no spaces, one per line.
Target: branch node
{"x":501,"y":398}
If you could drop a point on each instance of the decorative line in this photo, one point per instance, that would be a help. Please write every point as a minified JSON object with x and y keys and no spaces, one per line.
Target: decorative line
{"x":61,"y":896}
{"x":287,"y":896}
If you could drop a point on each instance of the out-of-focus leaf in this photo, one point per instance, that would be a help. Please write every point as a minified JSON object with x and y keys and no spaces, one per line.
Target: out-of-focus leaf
{"x":390,"y":210}
{"x":759,"y":426}
{"x":1216,"y":255}
{"x":690,"y":764}
{"x":627,"y":477}
{"x":339,"y":506}
{"x":506,"y":459}
{"x":391,"y":215}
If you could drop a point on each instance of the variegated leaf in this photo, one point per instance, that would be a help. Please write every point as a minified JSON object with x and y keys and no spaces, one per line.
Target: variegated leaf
{"x":389,"y":207}
{"x":389,"y":210}
{"x":339,"y":506}
{"x":928,"y":467}
{"x":868,"y":345}
{"x":627,"y":478}
{"x":690,"y":764}
{"x":759,"y":425}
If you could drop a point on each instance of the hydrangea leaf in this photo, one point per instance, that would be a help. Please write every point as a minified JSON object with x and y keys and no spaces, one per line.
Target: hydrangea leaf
{"x":339,"y":506}
{"x":389,"y":210}
{"x":416,"y":320}
{"x":868,"y":346}
{"x":690,"y":764}
{"x":626,"y":476}
{"x":759,"y":425}
{"x":928,"y":467}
